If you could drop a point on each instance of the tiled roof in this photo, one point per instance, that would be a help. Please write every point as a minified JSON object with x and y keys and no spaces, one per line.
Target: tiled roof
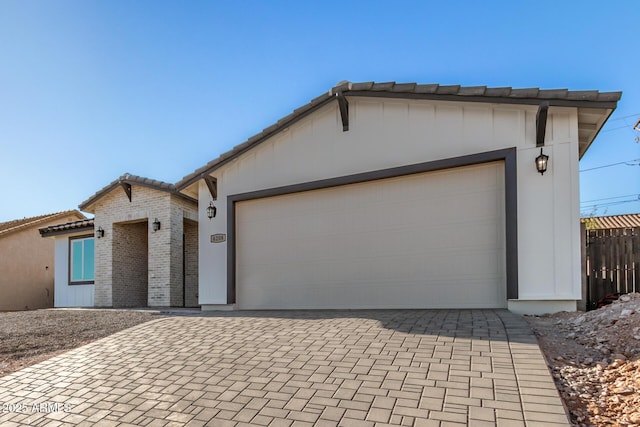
{"x":531,"y":96}
{"x":127,"y":178}
{"x":21,"y":224}
{"x":612,"y":221}
{"x":533,"y":93}
{"x":65,"y":228}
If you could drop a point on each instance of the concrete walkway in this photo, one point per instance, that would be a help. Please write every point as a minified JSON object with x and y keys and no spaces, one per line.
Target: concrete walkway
{"x":299,"y":368}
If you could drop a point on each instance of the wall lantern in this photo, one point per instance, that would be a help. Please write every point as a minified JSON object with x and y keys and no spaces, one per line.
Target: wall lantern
{"x":541,"y":162}
{"x":99,"y":233}
{"x":156,"y":225}
{"x":211,"y":211}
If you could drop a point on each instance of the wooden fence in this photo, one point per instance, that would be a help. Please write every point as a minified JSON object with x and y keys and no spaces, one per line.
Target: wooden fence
{"x":611,"y":263}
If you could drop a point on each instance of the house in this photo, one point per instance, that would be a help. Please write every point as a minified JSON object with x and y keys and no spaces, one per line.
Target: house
{"x":144,"y":240}
{"x":27,"y":262}
{"x":373,"y":195}
{"x":74,"y":249}
{"x":385,"y":195}
{"x":611,"y":221}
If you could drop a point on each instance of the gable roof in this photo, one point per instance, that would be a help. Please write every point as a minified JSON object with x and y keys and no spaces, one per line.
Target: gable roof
{"x":129,"y":179}
{"x":612,"y":221}
{"x":594,"y":108}
{"x":25,"y":223}
{"x":66,"y":228}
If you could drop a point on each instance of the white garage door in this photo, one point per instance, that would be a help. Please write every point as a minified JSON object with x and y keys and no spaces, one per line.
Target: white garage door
{"x":430,"y":240}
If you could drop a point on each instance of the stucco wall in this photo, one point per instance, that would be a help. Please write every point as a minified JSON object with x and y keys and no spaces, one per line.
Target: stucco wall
{"x":27,"y":268}
{"x":389,"y":133}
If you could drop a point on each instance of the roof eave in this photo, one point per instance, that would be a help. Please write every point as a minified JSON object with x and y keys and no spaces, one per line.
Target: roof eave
{"x":581,"y":150}
{"x":87,"y":205}
{"x":253,"y":141}
{"x":385,"y":90}
{"x":76,"y":230}
{"x":41,"y":220}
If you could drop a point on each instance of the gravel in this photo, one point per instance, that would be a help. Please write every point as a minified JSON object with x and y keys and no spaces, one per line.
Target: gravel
{"x":29,"y":337}
{"x":594,"y":358}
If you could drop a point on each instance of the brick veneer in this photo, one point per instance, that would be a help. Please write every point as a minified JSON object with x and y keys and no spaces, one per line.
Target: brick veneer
{"x":165,"y":257}
{"x":191,"y":260}
{"x":129,"y":265}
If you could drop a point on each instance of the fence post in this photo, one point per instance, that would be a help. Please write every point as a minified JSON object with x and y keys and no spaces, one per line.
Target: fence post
{"x":582,"y":303}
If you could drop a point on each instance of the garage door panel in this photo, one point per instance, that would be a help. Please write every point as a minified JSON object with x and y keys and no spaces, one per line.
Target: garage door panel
{"x":426,"y":240}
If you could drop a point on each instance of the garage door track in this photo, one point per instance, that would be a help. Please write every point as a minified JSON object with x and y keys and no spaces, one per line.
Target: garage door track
{"x":298,"y":368}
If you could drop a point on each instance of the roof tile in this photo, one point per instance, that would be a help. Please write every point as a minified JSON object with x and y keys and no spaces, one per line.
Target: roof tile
{"x":472,"y":90}
{"x":481,"y":93}
{"x":386,"y":86}
{"x":525,"y":93}
{"x":362,"y":86}
{"x":583,"y":95}
{"x":429,"y":88}
{"x":19,"y":224}
{"x":404,"y":87}
{"x":448,"y":90}
{"x":553,"y":93}
{"x":128,"y":178}
{"x":612,"y":221}
{"x":498,"y":91}
{"x":69,"y":226}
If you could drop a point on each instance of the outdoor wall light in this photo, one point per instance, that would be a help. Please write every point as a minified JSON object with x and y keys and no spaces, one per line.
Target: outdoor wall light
{"x":541,"y":162}
{"x":156,"y":225}
{"x":211,"y":211}
{"x":99,"y":233}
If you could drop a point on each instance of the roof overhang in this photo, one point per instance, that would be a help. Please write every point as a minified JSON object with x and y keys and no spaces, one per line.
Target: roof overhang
{"x":126,"y":182}
{"x":594,"y":108}
{"x":85,"y":225}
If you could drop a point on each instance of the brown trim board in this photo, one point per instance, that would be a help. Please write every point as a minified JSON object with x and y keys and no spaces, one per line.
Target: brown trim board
{"x":507,"y":155}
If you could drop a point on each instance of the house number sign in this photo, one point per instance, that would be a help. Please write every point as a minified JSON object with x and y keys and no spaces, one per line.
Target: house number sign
{"x":218,"y":238}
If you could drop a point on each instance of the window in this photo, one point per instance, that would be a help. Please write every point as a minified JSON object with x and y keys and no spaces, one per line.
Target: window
{"x":81,"y":260}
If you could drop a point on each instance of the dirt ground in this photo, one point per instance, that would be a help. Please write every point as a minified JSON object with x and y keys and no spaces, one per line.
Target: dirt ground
{"x":594,"y":358}
{"x":29,"y":337}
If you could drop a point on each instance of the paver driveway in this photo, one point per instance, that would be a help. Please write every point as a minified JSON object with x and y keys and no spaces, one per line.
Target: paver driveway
{"x":351,"y":368}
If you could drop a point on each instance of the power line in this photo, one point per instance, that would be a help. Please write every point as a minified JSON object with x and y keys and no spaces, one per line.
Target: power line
{"x":624,"y":117}
{"x":611,"y":198}
{"x":628,"y":163}
{"x":618,"y":128}
{"x":602,"y":205}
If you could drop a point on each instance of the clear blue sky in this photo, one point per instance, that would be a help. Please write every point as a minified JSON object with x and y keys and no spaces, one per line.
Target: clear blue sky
{"x":90,"y":90}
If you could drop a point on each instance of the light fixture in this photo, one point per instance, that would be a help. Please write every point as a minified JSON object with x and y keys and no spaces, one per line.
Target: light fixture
{"x":99,"y":233}
{"x":541,"y":162}
{"x":156,"y":225}
{"x":211,"y":211}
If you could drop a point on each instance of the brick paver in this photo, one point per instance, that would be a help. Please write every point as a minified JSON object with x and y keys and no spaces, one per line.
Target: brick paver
{"x":298,"y":368}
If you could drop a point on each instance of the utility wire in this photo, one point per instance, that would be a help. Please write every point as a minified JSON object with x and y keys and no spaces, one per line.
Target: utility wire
{"x":618,"y":128}
{"x":628,"y":163}
{"x":602,"y":205}
{"x":611,"y":198}
{"x":624,"y":117}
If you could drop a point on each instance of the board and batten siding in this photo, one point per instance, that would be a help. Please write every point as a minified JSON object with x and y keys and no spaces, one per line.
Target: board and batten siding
{"x":389,"y":133}
{"x":66,"y":295}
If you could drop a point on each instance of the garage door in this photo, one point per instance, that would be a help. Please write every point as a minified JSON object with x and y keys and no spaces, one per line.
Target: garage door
{"x":429,"y":240}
